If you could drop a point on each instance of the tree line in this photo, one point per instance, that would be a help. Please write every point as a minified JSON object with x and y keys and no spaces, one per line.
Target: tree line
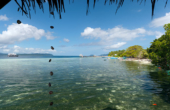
{"x":135,"y":51}
{"x":158,"y":52}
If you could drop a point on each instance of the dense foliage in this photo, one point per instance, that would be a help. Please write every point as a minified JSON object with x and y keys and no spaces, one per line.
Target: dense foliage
{"x":135,"y":51}
{"x":132,"y":51}
{"x":118,"y":53}
{"x":159,"y":51}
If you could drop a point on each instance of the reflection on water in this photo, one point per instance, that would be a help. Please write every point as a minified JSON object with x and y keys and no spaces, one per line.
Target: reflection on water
{"x":82,"y":84}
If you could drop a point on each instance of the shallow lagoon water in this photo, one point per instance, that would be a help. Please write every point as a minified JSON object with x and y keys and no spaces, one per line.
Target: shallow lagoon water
{"x":81,"y":84}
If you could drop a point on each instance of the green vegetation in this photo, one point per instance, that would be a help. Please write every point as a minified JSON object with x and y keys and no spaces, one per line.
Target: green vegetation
{"x":135,"y":51}
{"x":159,"y":50}
{"x":119,"y":53}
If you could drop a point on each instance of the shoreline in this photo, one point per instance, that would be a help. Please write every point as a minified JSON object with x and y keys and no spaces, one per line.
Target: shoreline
{"x":141,"y":61}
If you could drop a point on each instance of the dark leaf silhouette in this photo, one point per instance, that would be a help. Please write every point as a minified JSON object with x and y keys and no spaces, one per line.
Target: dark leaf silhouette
{"x":51,"y":73}
{"x":51,"y":27}
{"x":49,"y":84}
{"x":50,"y":60}
{"x":51,"y":92}
{"x":52,"y":47}
{"x":166,"y":3}
{"x":18,"y":21}
{"x":51,"y":103}
{"x":52,"y":13}
{"x":18,"y":9}
{"x":5,"y":2}
{"x":59,"y":5}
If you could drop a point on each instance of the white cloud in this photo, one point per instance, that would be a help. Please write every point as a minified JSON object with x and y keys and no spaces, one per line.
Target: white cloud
{"x":159,"y":22}
{"x":94,"y":33}
{"x":20,"y":32}
{"x":17,"y":49}
{"x":158,"y":34}
{"x":112,"y":34}
{"x":3,"y":18}
{"x":139,"y":10}
{"x":66,"y":40}
{"x":118,"y":45}
{"x":6,"y":50}
{"x":3,"y":47}
{"x":116,"y":33}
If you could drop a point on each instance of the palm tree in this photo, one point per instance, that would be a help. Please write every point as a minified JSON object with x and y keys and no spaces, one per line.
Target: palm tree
{"x":59,"y":5}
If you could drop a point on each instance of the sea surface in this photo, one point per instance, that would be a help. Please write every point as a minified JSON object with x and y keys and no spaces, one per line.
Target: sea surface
{"x":81,"y":84}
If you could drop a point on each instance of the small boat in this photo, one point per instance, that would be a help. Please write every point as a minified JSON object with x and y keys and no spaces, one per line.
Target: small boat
{"x":12,"y":55}
{"x":124,"y":57}
{"x":113,"y":58}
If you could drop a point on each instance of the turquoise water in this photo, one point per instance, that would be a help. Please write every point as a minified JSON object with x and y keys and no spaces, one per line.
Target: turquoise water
{"x":81,"y":84}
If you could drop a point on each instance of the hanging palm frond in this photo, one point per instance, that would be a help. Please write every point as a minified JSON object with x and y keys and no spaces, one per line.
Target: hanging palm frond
{"x":59,"y":5}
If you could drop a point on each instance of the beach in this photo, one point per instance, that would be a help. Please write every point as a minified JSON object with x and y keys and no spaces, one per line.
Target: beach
{"x":141,"y":61}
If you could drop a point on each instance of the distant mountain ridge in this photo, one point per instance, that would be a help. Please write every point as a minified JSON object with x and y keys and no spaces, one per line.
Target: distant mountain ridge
{"x":3,"y":53}
{"x":103,"y":55}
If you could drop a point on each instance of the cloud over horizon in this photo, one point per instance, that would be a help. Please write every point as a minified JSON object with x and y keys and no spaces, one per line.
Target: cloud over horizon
{"x":24,"y":31}
{"x":18,"y":49}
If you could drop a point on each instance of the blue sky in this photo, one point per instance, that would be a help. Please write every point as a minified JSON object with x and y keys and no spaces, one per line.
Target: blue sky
{"x":100,"y":32}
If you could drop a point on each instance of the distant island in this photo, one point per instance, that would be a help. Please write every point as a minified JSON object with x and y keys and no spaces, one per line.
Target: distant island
{"x":39,"y":54}
{"x":34,"y":54}
{"x":3,"y":53}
